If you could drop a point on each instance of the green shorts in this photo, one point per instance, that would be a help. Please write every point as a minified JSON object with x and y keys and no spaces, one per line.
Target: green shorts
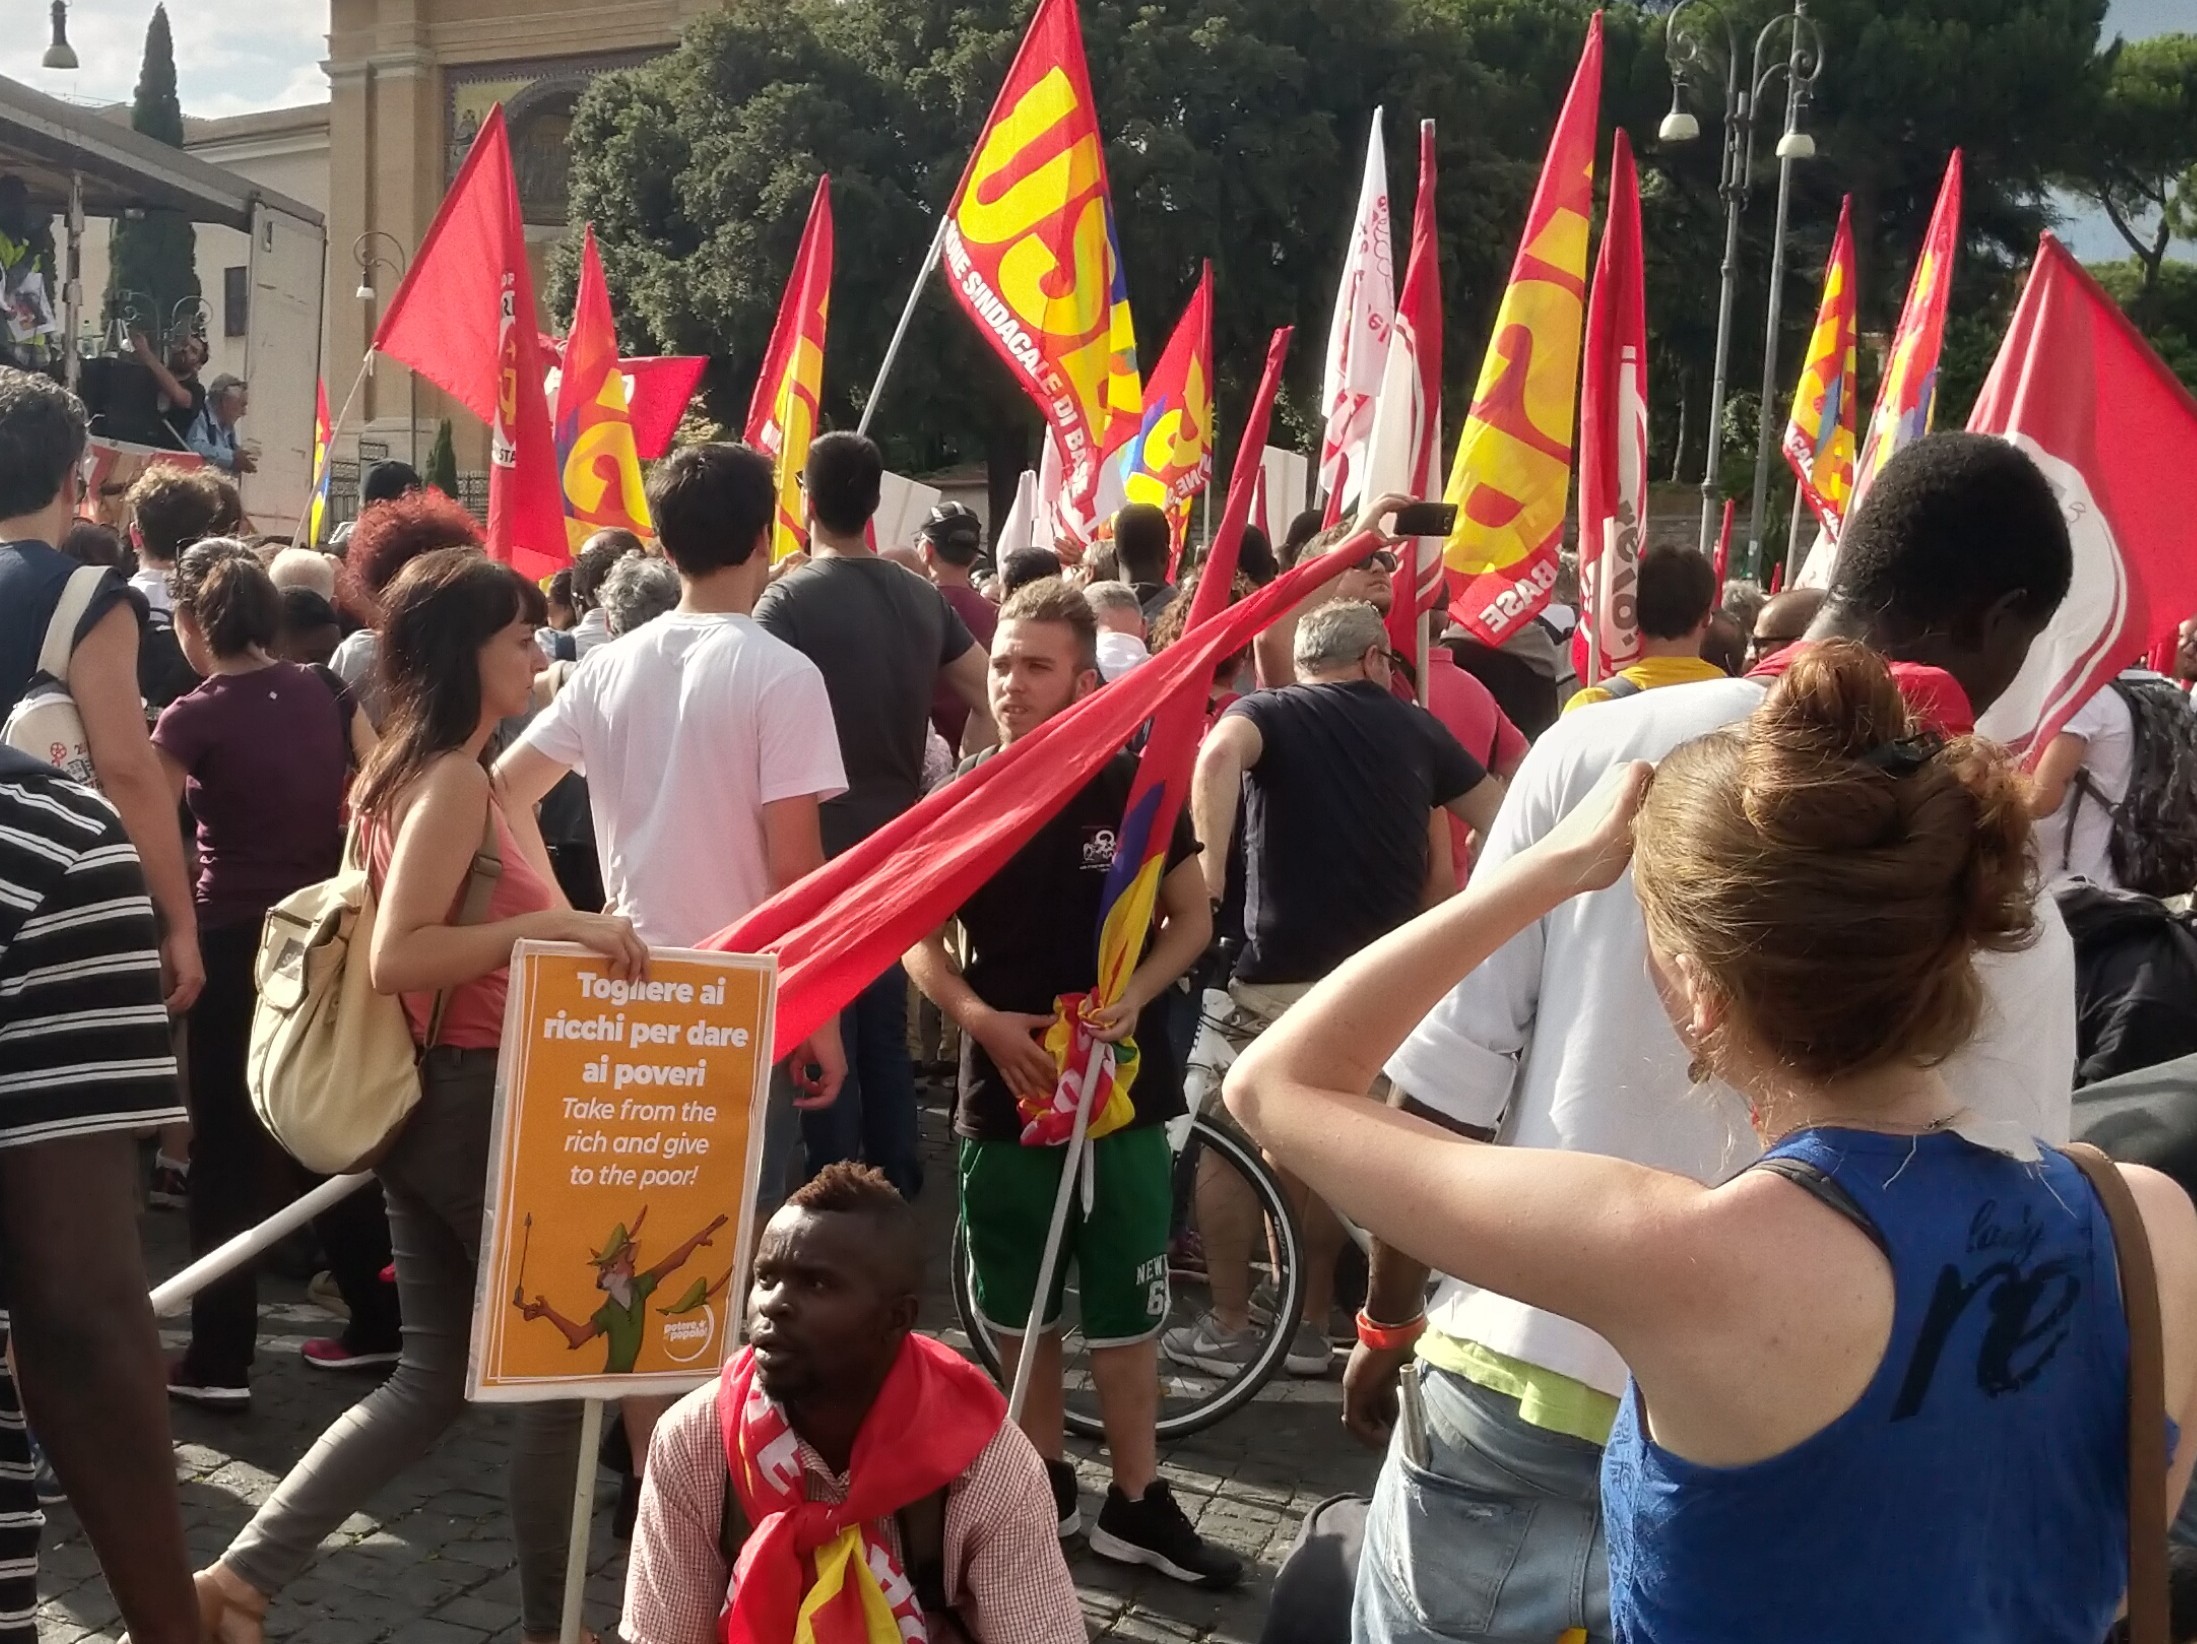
{"x":1119,"y":1250}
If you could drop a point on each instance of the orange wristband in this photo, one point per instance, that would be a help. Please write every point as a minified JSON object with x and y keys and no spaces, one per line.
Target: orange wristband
{"x":1389,"y":1338}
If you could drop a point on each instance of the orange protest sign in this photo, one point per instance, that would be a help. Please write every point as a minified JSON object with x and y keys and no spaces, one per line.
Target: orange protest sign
{"x":622,"y":1173}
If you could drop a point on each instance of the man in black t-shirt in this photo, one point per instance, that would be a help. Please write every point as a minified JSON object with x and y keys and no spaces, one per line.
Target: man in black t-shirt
{"x":885,"y":640}
{"x":1031,"y":938}
{"x":1343,"y":789}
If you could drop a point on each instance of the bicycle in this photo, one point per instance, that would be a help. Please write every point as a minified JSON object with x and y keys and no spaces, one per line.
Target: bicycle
{"x":1191,"y":1398}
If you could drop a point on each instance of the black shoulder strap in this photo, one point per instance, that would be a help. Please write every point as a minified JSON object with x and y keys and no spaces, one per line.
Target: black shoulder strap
{"x":1618,"y":686}
{"x":732,"y":1522}
{"x":1812,"y":1180}
{"x":923,"y":1546}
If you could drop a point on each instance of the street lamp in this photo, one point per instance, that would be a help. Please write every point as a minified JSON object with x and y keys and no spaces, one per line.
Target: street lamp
{"x":363,"y":253}
{"x":1690,"y":46}
{"x":60,"y":54}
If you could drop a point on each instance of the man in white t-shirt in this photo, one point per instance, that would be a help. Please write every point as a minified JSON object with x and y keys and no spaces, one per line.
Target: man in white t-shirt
{"x":2081,"y":776}
{"x":707,"y":745}
{"x":1951,"y":568}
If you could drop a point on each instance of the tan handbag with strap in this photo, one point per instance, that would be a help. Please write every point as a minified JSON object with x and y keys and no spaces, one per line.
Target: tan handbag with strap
{"x":2147,"y":1453}
{"x":332,"y":1070}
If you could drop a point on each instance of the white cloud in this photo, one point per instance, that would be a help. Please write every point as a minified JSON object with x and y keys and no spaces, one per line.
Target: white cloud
{"x":231,"y":55}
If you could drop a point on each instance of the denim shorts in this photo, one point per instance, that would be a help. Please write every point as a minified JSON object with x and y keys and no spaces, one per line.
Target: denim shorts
{"x":1498,"y":1537}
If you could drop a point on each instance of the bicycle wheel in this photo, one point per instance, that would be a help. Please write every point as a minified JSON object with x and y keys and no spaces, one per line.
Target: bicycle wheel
{"x":1242,"y":1201}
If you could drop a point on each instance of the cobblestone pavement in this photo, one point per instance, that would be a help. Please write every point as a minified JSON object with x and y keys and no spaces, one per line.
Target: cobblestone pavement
{"x":430,"y":1560}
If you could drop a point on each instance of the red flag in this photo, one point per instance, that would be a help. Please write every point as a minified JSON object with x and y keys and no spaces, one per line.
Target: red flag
{"x":836,"y":929}
{"x":658,"y":392}
{"x":598,"y":461}
{"x":1512,"y":474}
{"x":659,"y":388}
{"x":2080,"y":390}
{"x":1777,"y":578}
{"x":464,"y":319}
{"x":1613,"y":433}
{"x":1724,"y":548}
{"x":1156,"y":798}
{"x":1405,"y":453}
{"x":1171,"y":459}
{"x":789,"y":390}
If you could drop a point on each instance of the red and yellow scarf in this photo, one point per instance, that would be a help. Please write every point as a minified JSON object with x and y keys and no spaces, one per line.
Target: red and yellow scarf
{"x":811,"y":1573}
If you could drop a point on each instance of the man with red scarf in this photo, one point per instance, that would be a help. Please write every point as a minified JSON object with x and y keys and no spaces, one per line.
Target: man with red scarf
{"x":846,"y":1481}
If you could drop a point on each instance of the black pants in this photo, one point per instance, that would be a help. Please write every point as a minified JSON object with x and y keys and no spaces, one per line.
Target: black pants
{"x":239,"y":1177}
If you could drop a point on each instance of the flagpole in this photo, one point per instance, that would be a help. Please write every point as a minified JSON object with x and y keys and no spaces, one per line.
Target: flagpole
{"x":329,"y":456}
{"x":1792,"y":537}
{"x":1070,"y":1164}
{"x":907,"y":318}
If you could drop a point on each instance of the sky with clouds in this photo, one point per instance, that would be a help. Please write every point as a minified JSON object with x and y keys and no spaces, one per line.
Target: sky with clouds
{"x":237,"y":55}
{"x":231,"y":56}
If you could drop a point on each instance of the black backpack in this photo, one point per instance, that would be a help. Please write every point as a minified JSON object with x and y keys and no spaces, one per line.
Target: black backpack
{"x":2154,"y":839}
{"x":2135,"y":980}
{"x":163,"y":676}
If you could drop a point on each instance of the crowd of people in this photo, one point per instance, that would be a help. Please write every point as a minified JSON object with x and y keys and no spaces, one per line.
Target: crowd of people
{"x":1779,"y":1297}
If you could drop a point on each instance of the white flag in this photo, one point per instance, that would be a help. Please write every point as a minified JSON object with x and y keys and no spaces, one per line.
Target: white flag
{"x":1358,"y":341}
{"x":1019,"y":530}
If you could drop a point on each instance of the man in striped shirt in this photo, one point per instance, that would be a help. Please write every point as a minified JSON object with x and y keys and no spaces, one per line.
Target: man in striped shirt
{"x":84,"y":1063}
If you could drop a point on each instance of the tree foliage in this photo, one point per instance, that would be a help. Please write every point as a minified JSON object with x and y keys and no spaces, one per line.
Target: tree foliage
{"x":154,"y":266}
{"x":1235,"y":131}
{"x":2141,"y":164}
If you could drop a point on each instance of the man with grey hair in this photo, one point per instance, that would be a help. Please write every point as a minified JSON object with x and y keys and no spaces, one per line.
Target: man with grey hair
{"x":1344,"y":790}
{"x":213,"y":431}
{"x":638,"y":590}
{"x":1120,"y":618}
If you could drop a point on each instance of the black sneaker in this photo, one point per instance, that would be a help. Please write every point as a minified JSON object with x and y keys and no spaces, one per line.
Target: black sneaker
{"x":1067,"y":1499}
{"x":188,"y":1385}
{"x":1155,"y":1531}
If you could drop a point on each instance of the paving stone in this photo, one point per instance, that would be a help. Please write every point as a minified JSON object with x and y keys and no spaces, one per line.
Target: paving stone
{"x":429,"y":1560}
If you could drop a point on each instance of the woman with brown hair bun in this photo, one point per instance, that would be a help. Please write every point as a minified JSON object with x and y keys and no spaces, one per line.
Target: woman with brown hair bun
{"x":1880,"y":1379}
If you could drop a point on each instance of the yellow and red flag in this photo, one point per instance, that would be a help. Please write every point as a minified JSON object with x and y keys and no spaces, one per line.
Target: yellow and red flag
{"x":1512,"y":472}
{"x":1819,"y":438}
{"x":1131,"y":898}
{"x":789,"y":390}
{"x":323,"y":436}
{"x":1172,"y":460}
{"x":1908,"y":398}
{"x":598,"y":462}
{"x":1030,"y":253}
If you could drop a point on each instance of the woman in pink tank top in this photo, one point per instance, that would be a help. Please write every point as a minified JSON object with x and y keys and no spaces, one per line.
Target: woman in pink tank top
{"x":457,"y":657}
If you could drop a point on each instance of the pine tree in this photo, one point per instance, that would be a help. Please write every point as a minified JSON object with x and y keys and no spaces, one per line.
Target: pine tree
{"x":442,"y":461}
{"x":154,"y":263}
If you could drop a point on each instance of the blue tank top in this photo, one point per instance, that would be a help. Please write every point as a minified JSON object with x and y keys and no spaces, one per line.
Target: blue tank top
{"x":1977,"y":1490}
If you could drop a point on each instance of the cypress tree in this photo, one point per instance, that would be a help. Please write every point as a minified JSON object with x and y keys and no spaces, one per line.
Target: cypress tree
{"x":442,"y":461}
{"x":153,"y":266}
